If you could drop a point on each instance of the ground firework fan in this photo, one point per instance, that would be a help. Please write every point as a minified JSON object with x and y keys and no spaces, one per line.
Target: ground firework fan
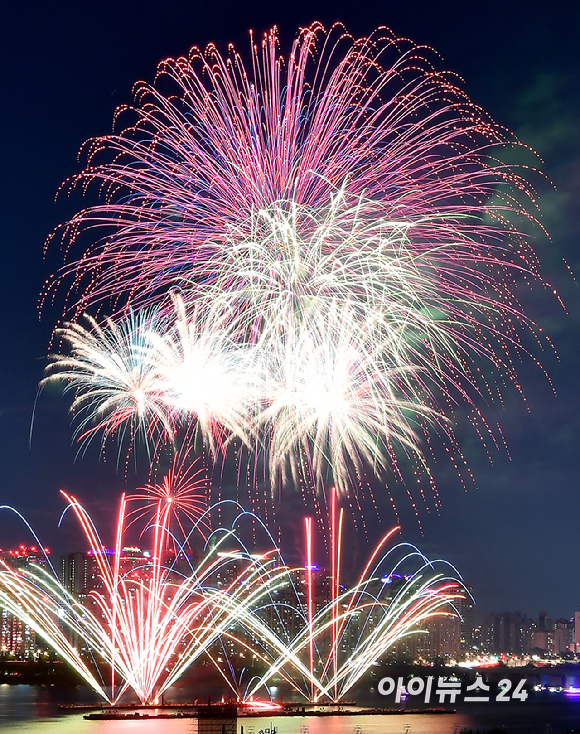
{"x":140,"y":619}
{"x":344,"y":238}
{"x":146,"y":619}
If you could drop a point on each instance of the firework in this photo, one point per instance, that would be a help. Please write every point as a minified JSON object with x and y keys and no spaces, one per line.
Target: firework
{"x":345,"y":241}
{"x":150,"y":617}
{"x":114,"y":381}
{"x":147,"y":621}
{"x":146,"y":376}
{"x":216,"y":141}
{"x":397,"y":592}
{"x":182,"y":497}
{"x":202,"y":374}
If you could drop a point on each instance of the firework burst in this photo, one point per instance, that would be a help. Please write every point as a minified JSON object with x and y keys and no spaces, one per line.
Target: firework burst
{"x":181,"y":496}
{"x":114,"y":381}
{"x":216,"y":141}
{"x":346,"y":244}
{"x":149,"y":375}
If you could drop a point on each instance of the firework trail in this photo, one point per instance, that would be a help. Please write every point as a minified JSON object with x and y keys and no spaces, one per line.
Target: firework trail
{"x":346,"y":243}
{"x":149,"y":621}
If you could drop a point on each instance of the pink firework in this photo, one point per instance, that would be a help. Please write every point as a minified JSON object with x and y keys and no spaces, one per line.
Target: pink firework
{"x":180,"y":496}
{"x":344,"y":199}
{"x":216,"y":140}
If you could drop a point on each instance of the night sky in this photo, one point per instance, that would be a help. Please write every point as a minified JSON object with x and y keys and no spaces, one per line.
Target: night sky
{"x":67,"y":65}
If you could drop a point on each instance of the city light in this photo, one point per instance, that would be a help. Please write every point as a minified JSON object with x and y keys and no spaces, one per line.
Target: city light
{"x":147,"y":618}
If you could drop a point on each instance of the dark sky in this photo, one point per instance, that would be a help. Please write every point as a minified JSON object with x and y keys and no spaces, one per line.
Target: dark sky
{"x":66,"y":65}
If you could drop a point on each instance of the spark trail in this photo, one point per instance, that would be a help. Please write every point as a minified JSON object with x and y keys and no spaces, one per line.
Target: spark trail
{"x":148,"y":623}
{"x":347,"y":244}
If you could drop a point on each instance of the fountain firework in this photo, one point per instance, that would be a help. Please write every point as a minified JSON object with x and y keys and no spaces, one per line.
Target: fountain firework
{"x":149,"y":620}
{"x":398,"y":590}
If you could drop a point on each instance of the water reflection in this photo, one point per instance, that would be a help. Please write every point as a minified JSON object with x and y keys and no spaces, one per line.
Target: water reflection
{"x":34,"y":710}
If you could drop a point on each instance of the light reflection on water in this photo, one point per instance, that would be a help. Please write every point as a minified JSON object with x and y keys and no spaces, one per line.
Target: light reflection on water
{"x":419,"y":724}
{"x":33,"y":710}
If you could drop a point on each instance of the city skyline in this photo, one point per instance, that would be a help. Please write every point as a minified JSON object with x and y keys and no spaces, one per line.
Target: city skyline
{"x":506,"y":635}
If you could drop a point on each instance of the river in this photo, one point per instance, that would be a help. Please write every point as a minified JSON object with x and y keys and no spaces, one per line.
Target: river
{"x":34,"y":709}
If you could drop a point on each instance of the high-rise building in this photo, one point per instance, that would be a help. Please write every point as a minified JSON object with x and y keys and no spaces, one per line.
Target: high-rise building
{"x":80,"y":572}
{"x":577,"y":631}
{"x":465,"y":607}
{"x":504,"y":633}
{"x":17,"y":638}
{"x":74,"y":573}
{"x":564,"y":637}
{"x":441,"y":641}
{"x":543,"y":636}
